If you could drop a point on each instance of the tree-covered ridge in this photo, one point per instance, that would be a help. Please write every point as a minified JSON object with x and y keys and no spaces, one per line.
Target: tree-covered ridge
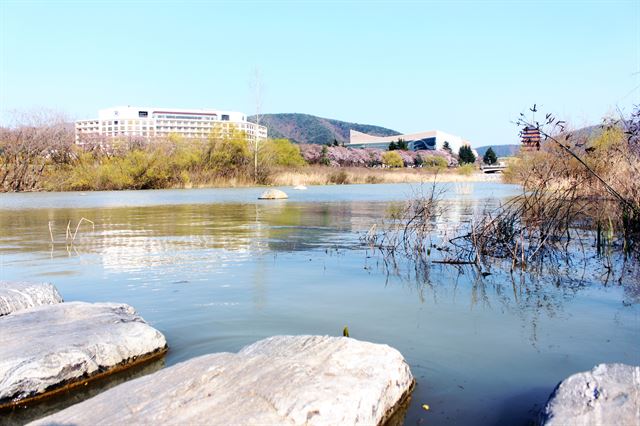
{"x":509,"y":150}
{"x":305,"y":128}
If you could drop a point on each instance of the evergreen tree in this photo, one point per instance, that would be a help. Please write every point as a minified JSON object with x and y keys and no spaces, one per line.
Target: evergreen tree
{"x":447,"y":147}
{"x":490,"y":157}
{"x":324,"y":158}
{"x":402,"y":144}
{"x":392,"y":146}
{"x":465,"y":155}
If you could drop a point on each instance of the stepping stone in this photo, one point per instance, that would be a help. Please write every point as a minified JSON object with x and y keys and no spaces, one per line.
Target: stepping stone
{"x":315,"y":380}
{"x":50,"y":348}
{"x":18,"y":295}
{"x":273,"y":194}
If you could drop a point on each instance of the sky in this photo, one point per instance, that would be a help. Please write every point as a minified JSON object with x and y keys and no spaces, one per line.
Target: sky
{"x":464,"y":67}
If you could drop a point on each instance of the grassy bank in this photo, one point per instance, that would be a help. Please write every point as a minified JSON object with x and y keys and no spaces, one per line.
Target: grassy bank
{"x":325,"y":175}
{"x":46,"y":158}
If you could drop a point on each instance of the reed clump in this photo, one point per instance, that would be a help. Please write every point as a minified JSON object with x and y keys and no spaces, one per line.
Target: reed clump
{"x":408,"y":229}
{"x":581,"y":196}
{"x":590,"y":180}
{"x":327,"y":175}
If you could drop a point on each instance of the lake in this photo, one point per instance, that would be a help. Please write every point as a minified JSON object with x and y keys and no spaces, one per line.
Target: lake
{"x":217,"y":269}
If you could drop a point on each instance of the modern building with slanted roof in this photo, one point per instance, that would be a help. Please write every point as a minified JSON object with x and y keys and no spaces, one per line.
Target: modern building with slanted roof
{"x":433,"y":139}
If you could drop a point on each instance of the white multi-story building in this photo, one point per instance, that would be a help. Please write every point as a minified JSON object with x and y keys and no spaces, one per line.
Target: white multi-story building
{"x":128,"y":121}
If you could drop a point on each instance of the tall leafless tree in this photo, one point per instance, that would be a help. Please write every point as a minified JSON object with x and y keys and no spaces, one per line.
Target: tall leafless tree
{"x":32,"y":142}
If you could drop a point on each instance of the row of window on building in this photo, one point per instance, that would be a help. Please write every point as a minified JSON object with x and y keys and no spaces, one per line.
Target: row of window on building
{"x":149,"y":131}
{"x":213,"y":117}
{"x":158,"y":123}
{"x":161,"y":123}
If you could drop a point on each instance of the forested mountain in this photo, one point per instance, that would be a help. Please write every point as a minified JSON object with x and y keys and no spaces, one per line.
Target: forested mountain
{"x":500,"y":150}
{"x":305,"y":128}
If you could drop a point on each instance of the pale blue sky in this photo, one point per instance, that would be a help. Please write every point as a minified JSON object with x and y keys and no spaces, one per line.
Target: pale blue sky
{"x":468,"y":68}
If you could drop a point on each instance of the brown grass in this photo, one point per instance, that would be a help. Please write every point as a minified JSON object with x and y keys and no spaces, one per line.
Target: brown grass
{"x":323,"y":175}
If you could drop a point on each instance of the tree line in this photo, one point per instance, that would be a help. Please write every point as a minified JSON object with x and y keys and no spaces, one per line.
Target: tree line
{"x":40,"y":153}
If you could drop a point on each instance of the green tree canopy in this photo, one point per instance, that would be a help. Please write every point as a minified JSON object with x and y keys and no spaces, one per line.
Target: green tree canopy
{"x":228,"y":154}
{"x":433,"y":161}
{"x":466,"y":155}
{"x":393,"y":146}
{"x":281,"y":152}
{"x":490,"y":157}
{"x":402,"y":144}
{"x":324,"y":158}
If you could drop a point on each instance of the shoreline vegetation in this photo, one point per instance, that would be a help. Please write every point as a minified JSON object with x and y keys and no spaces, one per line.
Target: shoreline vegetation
{"x":318,"y":175}
{"x":42,"y":155}
{"x":580,"y":199}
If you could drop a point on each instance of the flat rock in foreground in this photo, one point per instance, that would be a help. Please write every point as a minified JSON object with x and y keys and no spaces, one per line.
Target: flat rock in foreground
{"x":18,"y":295}
{"x":48,"y":347}
{"x":607,"y":395}
{"x":317,"y":380}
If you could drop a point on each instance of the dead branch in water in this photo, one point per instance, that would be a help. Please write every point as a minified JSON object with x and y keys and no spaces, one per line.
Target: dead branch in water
{"x":408,"y":228}
{"x":70,"y":236}
{"x":78,"y":226}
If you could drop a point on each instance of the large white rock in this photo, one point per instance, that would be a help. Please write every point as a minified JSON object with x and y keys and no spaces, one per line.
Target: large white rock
{"x":18,"y":295}
{"x":273,"y":194}
{"x":607,"y":395}
{"x":48,"y":346}
{"x":316,"y":380}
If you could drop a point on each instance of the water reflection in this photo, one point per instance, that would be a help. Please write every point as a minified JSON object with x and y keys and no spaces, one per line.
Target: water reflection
{"x":216,"y":276}
{"x":128,"y":239}
{"x":531,"y":296}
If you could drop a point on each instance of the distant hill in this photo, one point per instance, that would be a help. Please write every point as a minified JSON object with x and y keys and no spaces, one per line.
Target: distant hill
{"x":305,"y":128}
{"x":500,"y":150}
{"x":586,"y":133}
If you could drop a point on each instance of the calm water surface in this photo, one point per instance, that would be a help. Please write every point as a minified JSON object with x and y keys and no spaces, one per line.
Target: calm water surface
{"x":216,"y":269}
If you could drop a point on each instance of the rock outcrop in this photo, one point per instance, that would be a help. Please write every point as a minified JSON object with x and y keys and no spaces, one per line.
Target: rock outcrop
{"x":18,"y":295}
{"x":607,"y":395}
{"x":273,"y":194}
{"x":56,"y":346}
{"x":316,"y":380}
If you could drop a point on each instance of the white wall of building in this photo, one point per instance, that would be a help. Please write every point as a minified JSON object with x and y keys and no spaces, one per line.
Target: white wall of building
{"x":148,"y":122}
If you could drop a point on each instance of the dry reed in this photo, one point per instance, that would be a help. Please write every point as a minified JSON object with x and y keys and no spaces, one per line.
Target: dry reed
{"x":322,"y":175}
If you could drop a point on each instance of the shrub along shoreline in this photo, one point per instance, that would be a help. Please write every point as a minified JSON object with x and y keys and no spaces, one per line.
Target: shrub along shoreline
{"x":46,"y":158}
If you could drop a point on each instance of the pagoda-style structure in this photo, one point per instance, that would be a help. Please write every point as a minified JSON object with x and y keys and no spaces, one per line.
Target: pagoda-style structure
{"x":530,"y":137}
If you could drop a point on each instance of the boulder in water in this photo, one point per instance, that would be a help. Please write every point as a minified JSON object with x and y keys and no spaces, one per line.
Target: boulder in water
{"x":607,"y":395}
{"x":53,"y":347}
{"x":311,"y":380}
{"x":273,"y":194}
{"x":18,"y":295}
